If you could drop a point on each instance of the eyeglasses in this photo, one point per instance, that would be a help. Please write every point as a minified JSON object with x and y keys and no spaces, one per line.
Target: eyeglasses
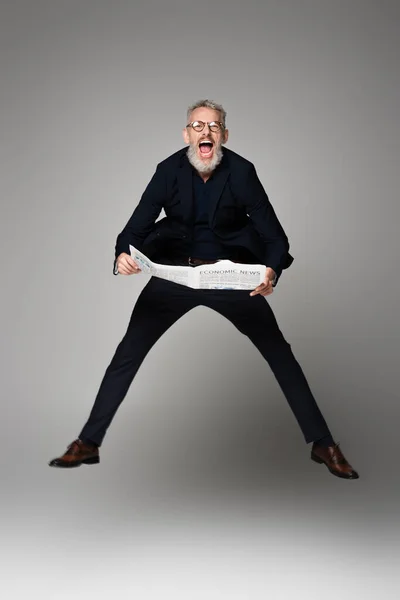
{"x":199,"y":125}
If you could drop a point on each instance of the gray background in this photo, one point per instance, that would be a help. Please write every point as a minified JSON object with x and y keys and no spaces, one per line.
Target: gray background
{"x":205,"y":489}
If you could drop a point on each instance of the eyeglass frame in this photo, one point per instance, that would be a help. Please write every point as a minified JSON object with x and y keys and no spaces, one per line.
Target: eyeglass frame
{"x":222,"y":126}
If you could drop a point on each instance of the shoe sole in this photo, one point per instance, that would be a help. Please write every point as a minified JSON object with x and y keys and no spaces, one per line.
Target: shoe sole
{"x":88,"y":461}
{"x":321,"y":462}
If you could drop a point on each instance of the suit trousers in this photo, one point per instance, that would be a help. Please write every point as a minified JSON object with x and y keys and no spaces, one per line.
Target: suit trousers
{"x":160,"y":304}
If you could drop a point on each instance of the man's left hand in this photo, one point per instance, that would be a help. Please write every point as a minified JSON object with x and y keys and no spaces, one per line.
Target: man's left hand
{"x":265,"y":288}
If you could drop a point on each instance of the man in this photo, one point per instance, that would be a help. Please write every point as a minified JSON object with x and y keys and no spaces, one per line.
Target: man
{"x":215,"y":208}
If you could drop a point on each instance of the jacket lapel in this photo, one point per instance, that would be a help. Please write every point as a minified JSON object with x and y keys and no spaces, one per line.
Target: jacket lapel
{"x":185,"y":187}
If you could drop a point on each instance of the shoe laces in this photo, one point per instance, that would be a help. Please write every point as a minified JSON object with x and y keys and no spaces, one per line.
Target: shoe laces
{"x":338,"y":456}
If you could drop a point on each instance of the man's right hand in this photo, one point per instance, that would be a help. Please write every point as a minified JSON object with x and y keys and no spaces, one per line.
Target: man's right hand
{"x":126,"y":265}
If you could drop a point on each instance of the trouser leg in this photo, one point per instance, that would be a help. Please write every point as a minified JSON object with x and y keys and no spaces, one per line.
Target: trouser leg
{"x":254,"y":318}
{"x":159,"y":305}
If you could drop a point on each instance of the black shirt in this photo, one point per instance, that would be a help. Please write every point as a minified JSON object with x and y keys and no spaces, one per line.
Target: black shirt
{"x":205,"y":243}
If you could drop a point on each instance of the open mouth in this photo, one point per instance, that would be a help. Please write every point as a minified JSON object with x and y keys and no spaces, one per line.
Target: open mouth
{"x":206,"y":148}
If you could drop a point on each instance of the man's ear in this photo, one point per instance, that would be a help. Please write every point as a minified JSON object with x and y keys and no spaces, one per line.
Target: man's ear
{"x":185,"y":135}
{"x":226,"y":135}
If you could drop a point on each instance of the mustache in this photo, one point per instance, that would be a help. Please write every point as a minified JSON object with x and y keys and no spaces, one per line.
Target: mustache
{"x":213,"y":142}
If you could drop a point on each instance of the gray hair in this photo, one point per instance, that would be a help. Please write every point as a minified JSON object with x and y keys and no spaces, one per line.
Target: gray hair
{"x":207,"y":104}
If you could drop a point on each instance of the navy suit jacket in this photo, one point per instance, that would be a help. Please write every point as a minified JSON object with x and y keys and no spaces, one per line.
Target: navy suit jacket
{"x":241,"y":214}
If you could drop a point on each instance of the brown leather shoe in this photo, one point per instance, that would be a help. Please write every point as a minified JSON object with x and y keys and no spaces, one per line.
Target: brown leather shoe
{"x":333,"y":458}
{"x":77,"y":453}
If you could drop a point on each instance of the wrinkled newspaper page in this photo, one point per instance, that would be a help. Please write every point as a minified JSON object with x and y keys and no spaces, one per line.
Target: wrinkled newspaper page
{"x":222,"y":275}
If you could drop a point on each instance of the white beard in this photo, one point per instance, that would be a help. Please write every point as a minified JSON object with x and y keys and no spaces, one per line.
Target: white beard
{"x":199,"y":165}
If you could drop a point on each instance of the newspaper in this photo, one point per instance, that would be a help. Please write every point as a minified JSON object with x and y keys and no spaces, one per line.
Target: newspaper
{"x":222,"y":275}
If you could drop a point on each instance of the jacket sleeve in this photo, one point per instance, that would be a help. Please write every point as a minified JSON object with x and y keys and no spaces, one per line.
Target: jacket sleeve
{"x":266,"y":223}
{"x":145,"y":214}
